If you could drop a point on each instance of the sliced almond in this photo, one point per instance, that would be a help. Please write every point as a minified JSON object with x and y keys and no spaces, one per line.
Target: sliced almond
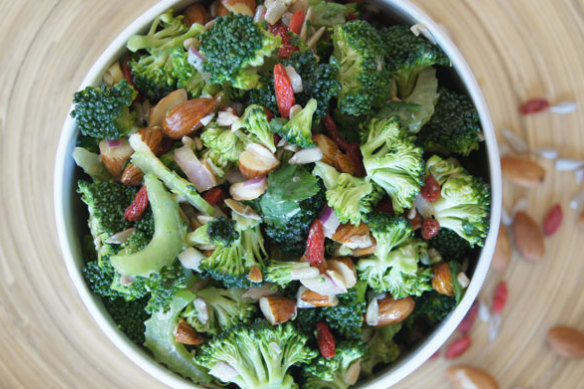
{"x":353,"y":236}
{"x":346,"y":268}
{"x":365,"y":251}
{"x":115,"y":158}
{"x":257,"y":161}
{"x":244,"y":7}
{"x":185,"y":118}
{"x":152,"y":137}
{"x":159,"y":111}
{"x":196,"y":13}
{"x":186,"y":334}
{"x":329,"y":283}
{"x":353,"y":372}
{"x":528,"y":237}
{"x":442,"y":281}
{"x":248,"y":190}
{"x":470,"y":377}
{"x":394,"y":311}
{"x":344,"y":163}
{"x":277,"y":309}
{"x":566,"y":342}
{"x":328,"y":147}
{"x":522,"y":171}
{"x":255,"y":274}
{"x":314,"y":299}
{"x":502,"y":255}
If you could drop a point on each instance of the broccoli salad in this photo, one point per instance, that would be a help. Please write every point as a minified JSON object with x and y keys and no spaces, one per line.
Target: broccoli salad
{"x":278,"y":193}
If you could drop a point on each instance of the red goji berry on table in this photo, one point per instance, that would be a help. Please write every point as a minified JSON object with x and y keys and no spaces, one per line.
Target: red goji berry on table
{"x":296,"y":22}
{"x":471,"y":317}
{"x":326,"y":340}
{"x":500,"y":297}
{"x":284,"y":91}
{"x":315,"y":243}
{"x":135,"y":210}
{"x":430,"y":228}
{"x":534,"y":106}
{"x":553,"y":220}
{"x":458,"y":347}
{"x":431,"y":189}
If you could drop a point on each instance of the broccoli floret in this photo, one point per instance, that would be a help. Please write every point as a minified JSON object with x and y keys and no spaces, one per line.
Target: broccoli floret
{"x":283,"y":272}
{"x":222,"y":231}
{"x":160,"y":339}
{"x":224,"y":309}
{"x":104,"y":113}
{"x":298,"y":130}
{"x":399,"y":272}
{"x":260,"y":354}
{"x":264,"y":94}
{"x":164,"y":67}
{"x":381,"y":348}
{"x":407,"y":55}
{"x":328,"y":13}
{"x":454,"y":127}
{"x":338,"y":371}
{"x":352,"y":198}
{"x":389,"y":231}
{"x":347,"y":317}
{"x":129,"y":317}
{"x":363,"y":75}
{"x":234,"y":47}
{"x":432,"y":306}
{"x":224,"y":145}
{"x":450,"y":246}
{"x":255,"y":121}
{"x":147,"y":162}
{"x":392,"y":161}
{"x":464,"y":202}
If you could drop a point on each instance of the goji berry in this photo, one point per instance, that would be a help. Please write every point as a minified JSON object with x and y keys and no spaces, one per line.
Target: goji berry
{"x":269,"y":114}
{"x":458,"y":347}
{"x":333,"y":131}
{"x":127,"y":71}
{"x":385,"y":205}
{"x":431,"y":189}
{"x":296,"y":22}
{"x":468,"y":322}
{"x":326,"y":340}
{"x":135,"y":210}
{"x":430,"y":228}
{"x":315,"y":243}
{"x":284,"y":91}
{"x":553,"y":220}
{"x":214,"y":196}
{"x":500,"y":297}
{"x":534,"y":106}
{"x":279,"y":29}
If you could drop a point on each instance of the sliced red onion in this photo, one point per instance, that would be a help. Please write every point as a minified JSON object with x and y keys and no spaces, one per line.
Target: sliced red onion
{"x":249,"y":190}
{"x":424,"y":207}
{"x":295,"y":79}
{"x":196,"y":172}
{"x":564,"y":107}
{"x":120,"y":237}
{"x":223,"y":371}
{"x":113,"y":143}
{"x":516,"y":142}
{"x":259,"y":13}
{"x":305,"y":156}
{"x":191,"y":258}
{"x":569,"y":164}
{"x":330,"y":221}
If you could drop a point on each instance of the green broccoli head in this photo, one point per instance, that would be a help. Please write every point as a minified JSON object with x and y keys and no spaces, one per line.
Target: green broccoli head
{"x":389,"y":231}
{"x":431,"y":306}
{"x":298,"y":130}
{"x":363,"y":75}
{"x":234,"y":47}
{"x":454,"y":127}
{"x":352,"y":198}
{"x":400,"y":272}
{"x":450,"y":246}
{"x":392,"y":161}
{"x":381,"y":348}
{"x":340,"y":371}
{"x":346,"y":318}
{"x":104,"y":113}
{"x":255,"y":121}
{"x":464,"y":202}
{"x":129,"y":317}
{"x":258,"y":355}
{"x":163,"y":66}
{"x":407,"y":55}
{"x":284,"y":272}
{"x":226,"y":145}
{"x":222,"y":231}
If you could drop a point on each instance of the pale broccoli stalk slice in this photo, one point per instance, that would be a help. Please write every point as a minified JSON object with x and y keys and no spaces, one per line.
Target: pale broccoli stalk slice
{"x":200,"y":236}
{"x":392,"y":161}
{"x":328,"y":174}
{"x":90,"y":163}
{"x":257,"y":356}
{"x":380,"y":348}
{"x":283,"y":272}
{"x":298,"y":130}
{"x":147,"y":162}
{"x":352,"y":198}
{"x":168,"y":239}
{"x":336,"y":372}
{"x":255,"y":121}
{"x":398,"y":273}
{"x":160,"y":339}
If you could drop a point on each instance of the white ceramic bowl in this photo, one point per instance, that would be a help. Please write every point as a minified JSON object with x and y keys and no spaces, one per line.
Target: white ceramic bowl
{"x":67,"y":205}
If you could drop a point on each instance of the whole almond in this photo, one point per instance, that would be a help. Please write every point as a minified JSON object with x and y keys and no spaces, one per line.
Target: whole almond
{"x":318,"y":300}
{"x":132,"y":176}
{"x":566,"y":342}
{"x":343,"y":163}
{"x":168,"y":102}
{"x":185,"y":118}
{"x":255,"y":274}
{"x":186,"y":334}
{"x":328,"y":147}
{"x":394,"y":311}
{"x":366,"y":250}
{"x":196,"y":13}
{"x":114,"y":158}
{"x":522,"y":171}
{"x":278,"y":309}
{"x":470,"y":377}
{"x":152,"y":137}
{"x":528,"y":238}
{"x":502,"y":255}
{"x":442,"y":281}
{"x":348,"y":233}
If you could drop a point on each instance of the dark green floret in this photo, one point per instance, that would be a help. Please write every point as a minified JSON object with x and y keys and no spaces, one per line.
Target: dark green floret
{"x":223,"y":145}
{"x":407,"y":55}
{"x":222,"y":231}
{"x":450,"y":246}
{"x":335,"y":373}
{"x":389,"y":231}
{"x":364,"y":78}
{"x":431,"y":307}
{"x":380,"y":348}
{"x":454,"y":127}
{"x":104,"y":113}
{"x":234,"y":47}
{"x":129,"y":317}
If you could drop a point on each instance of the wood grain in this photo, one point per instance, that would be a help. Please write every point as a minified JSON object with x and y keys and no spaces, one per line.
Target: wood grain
{"x":518,"y":49}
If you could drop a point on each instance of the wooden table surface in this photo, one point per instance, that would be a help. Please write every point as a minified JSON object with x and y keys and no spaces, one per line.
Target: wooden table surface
{"x":518,"y":49}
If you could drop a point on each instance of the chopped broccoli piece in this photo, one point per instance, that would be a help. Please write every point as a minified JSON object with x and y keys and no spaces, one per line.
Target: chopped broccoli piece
{"x":255,"y":121}
{"x":363,"y":76}
{"x":328,"y":13}
{"x":389,"y":231}
{"x":347,"y":317}
{"x":407,"y":55}
{"x":454,"y":127}
{"x":298,"y":130}
{"x":352,"y":198}
{"x":234,"y":47}
{"x":104,"y":113}
{"x":260,"y":354}
{"x":222,"y":231}
{"x":335,"y":372}
{"x":129,"y":317}
{"x":164,"y":66}
{"x":381,"y":348}
{"x":224,"y":143}
{"x":328,"y":174}
{"x":392,"y":161}
{"x":283,"y":272}
{"x":450,"y":246}
{"x":399,"y":272}
{"x":464,"y":202}
{"x":431,"y":306}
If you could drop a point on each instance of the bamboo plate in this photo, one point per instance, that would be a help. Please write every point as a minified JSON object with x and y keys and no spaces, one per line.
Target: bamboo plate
{"x":517,"y":49}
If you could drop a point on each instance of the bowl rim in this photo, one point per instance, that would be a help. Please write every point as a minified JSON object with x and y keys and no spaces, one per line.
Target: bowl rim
{"x":68,"y":240}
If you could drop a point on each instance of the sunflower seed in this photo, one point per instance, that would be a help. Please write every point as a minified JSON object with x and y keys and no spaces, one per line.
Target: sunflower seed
{"x":564,"y":165}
